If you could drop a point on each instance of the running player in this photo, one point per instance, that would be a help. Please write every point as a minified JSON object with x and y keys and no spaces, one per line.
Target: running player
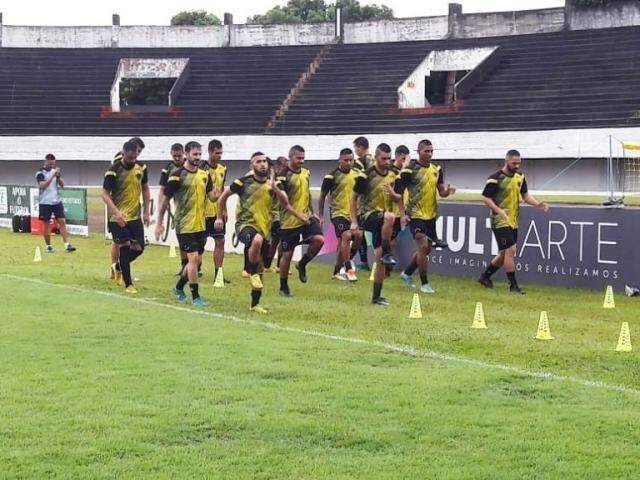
{"x":423,"y":181}
{"x":218,"y":173}
{"x":124,"y":182}
{"x":295,"y":183}
{"x":375,"y":190}
{"x":190,"y":186}
{"x":339,"y":184}
{"x":279,"y":167}
{"x":363,"y":162}
{"x":49,"y":179}
{"x":502,"y":194}
{"x":177,"y":155}
{"x":256,"y":193}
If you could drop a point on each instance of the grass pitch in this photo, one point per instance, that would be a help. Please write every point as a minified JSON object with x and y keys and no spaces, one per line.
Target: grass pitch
{"x":94,"y":384}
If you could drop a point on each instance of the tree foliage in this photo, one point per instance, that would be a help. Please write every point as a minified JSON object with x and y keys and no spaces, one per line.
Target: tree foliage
{"x":316,"y":11}
{"x":199,"y":18}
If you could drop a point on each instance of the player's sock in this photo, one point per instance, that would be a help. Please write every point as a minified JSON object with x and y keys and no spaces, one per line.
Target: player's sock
{"x":377,"y":290}
{"x":412,"y":267}
{"x":336,"y":269}
{"x":182,"y":281}
{"x":348,"y":265}
{"x":306,"y":258}
{"x":184,"y":261}
{"x":512,"y":279}
{"x":246,"y":260}
{"x":194,"y":290}
{"x":423,"y":277}
{"x":386,"y":247}
{"x":363,"y":251}
{"x":491,"y":269}
{"x":255,"y":297}
{"x":352,"y":252}
{"x":125,"y":266}
{"x":133,"y":254}
{"x":284,"y":284}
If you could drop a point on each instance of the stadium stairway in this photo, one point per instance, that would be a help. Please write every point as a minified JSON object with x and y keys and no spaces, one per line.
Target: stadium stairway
{"x":544,"y":81}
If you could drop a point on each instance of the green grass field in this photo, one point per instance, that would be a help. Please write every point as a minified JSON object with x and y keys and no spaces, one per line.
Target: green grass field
{"x":96,"y":384}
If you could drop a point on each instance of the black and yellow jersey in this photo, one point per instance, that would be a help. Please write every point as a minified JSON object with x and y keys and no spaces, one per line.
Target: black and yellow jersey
{"x":419,"y":184}
{"x":363,"y":163}
{"x":505,"y":191}
{"x":370,"y":187}
{"x":296,"y":186}
{"x":255,"y":204}
{"x":218,"y":174}
{"x":166,"y":172}
{"x":125,"y":186}
{"x":340,"y":185}
{"x":117,"y":158}
{"x":189,"y":192}
{"x":393,"y":206}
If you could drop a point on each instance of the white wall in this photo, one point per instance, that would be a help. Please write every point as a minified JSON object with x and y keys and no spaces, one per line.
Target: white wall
{"x":178,"y":37}
{"x":404,"y":29}
{"x":275,"y":35}
{"x":56,"y":37}
{"x":615,"y":15}
{"x":495,"y":24}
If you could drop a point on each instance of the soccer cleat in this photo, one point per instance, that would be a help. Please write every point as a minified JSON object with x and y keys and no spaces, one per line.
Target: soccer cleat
{"x":388,"y":260}
{"x":285,"y":293}
{"x":427,"y":288}
{"x":383,"y":302}
{"x":351,"y":275}
{"x":485,"y":281}
{"x":179,"y":294}
{"x":631,"y":291}
{"x":49,"y":249}
{"x":259,"y":309}
{"x":340,"y":276}
{"x":407,"y":280}
{"x":256,"y":282}
{"x":245,"y":274}
{"x":112,"y":272}
{"x":517,"y":289}
{"x":363,"y":266}
{"x":131,"y":289}
{"x":199,"y":302}
{"x":440,"y":243}
{"x":117,"y":274}
{"x":271,"y":270}
{"x":302,"y":273}
{"x":69,"y":248}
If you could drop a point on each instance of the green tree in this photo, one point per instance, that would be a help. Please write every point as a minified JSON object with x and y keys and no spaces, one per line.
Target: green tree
{"x":199,"y":18}
{"x":315,"y":11}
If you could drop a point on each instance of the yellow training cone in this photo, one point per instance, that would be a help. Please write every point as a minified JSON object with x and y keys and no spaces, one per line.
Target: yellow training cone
{"x":172,"y":251}
{"x":624,"y":341}
{"x":609,"y":302}
{"x":416,"y":309}
{"x":37,"y":257}
{"x":373,"y":272}
{"x":219,"y":281}
{"x":478,"y":317}
{"x":544,"y":333}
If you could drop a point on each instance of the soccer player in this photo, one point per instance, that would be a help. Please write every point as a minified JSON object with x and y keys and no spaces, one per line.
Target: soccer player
{"x":49,"y":179}
{"x":279,"y":166}
{"x":189,"y":187}
{"x":256,"y":193}
{"x":423,"y":181}
{"x":177,"y":156}
{"x":115,"y":248}
{"x":339,"y":184}
{"x":375,"y":190}
{"x":294,"y":181}
{"x":124,"y":182}
{"x":502,"y":194}
{"x":218,"y":173}
{"x":363,"y":162}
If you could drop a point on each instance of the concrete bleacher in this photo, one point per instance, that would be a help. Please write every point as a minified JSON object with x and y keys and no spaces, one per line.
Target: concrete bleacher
{"x":544,"y":81}
{"x":63,"y":91}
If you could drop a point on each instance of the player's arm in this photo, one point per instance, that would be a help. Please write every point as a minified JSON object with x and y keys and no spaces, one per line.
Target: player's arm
{"x":529,"y":199}
{"x":169,"y":191}
{"x":213,"y":192}
{"x":107,"y":187}
{"x":42,"y":183}
{"x":327,"y":184}
{"x":442,"y":190}
{"x":222,"y":203}
{"x":59,"y":179}
{"x":283,"y":200}
{"x":358,"y":189}
{"x":146,"y":198}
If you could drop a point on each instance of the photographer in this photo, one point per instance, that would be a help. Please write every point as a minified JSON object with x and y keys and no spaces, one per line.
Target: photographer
{"x":49,"y":178}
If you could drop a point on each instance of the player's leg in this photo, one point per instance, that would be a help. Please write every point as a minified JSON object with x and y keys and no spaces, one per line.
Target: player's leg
{"x":352,"y":238}
{"x":289,"y":239}
{"x":218,"y":248}
{"x":44,"y":214}
{"x":379,"y":274}
{"x":58,"y":211}
{"x":423,"y":247}
{"x":254,"y":255}
{"x":510,"y":269}
{"x":386,"y":233}
{"x":363,"y":250}
{"x":505,"y":240}
{"x":137,"y":240}
{"x":274,"y":245}
{"x":312,"y":235}
{"x":343,"y":234}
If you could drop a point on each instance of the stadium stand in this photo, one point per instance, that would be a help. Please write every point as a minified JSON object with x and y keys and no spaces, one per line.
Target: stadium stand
{"x":62,"y":91}
{"x":544,"y":81}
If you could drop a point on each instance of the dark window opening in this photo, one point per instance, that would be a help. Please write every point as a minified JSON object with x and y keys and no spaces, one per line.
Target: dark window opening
{"x":145,"y":92}
{"x":440,"y":86}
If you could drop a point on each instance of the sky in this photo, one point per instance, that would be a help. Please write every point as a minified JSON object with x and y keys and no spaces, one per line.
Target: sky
{"x":159,"y":12}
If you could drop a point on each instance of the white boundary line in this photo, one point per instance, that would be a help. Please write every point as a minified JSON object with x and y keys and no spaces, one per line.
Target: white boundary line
{"x":403,"y":349}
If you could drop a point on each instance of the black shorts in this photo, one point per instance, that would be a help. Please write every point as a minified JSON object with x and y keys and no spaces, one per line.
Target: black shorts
{"x":46,"y":211}
{"x":341,"y":225}
{"x":425,"y":227}
{"x":373,"y":223}
{"x":133,"y":231}
{"x":246,"y":236}
{"x":292,"y":237}
{"x":192,"y":242}
{"x":211,"y":231}
{"x":506,"y":237}
{"x":275,"y":231}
